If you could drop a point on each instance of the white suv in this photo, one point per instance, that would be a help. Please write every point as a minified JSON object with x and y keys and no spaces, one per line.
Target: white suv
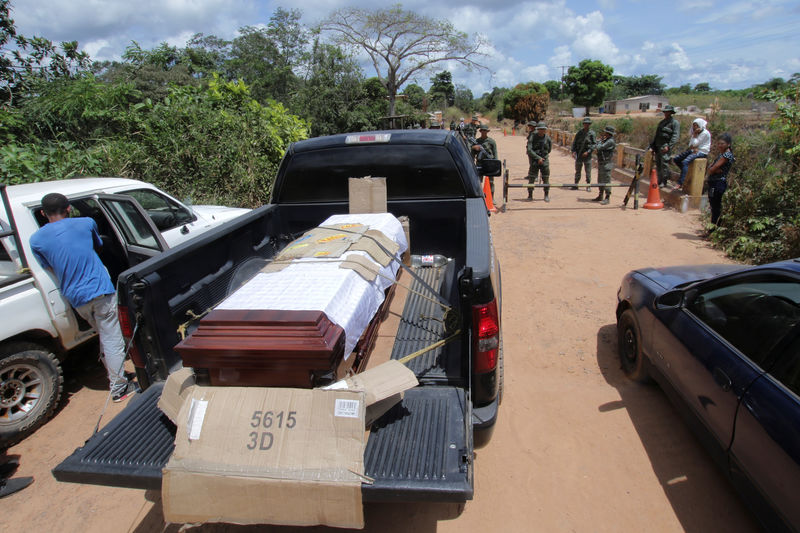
{"x":39,"y":328}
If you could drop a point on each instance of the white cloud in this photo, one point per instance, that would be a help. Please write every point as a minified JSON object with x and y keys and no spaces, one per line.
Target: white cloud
{"x":538,"y":73}
{"x":737,"y":46}
{"x":148,"y":22}
{"x":562,"y":55}
{"x":678,"y":57}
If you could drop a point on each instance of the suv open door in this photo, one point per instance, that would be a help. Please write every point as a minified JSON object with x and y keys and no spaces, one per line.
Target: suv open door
{"x":133,"y":228}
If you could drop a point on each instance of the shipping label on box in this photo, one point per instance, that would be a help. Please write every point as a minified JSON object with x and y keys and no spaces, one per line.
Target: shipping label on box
{"x":248,"y":455}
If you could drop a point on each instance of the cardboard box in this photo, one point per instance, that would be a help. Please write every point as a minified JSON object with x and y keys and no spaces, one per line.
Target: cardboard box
{"x":406,"y":223}
{"x":256,"y":455}
{"x":382,"y":385}
{"x":176,"y":389}
{"x":367,"y":195}
{"x":248,"y":455}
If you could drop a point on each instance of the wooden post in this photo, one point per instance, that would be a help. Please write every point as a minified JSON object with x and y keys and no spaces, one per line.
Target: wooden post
{"x":694,"y":180}
{"x":621,"y":154}
{"x":648,"y":165}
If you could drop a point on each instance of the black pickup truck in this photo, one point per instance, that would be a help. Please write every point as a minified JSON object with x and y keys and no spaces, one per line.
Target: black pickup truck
{"x":422,"y":449}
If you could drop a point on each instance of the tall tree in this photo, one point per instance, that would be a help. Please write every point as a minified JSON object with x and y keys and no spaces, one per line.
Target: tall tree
{"x":589,"y":83}
{"x":267,"y":58}
{"x":493,"y":100}
{"x":25,"y":60}
{"x":628,"y":86}
{"x":415,"y":95}
{"x":554,"y":88}
{"x":464,"y":99}
{"x":334,"y":97}
{"x":442,"y":89}
{"x":402,"y":43}
{"x":526,"y":101}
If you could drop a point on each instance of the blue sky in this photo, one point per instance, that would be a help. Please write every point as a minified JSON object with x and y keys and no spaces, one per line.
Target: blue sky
{"x":729,"y":44}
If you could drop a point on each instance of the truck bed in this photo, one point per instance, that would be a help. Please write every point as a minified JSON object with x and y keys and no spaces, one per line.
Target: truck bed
{"x":418,"y":451}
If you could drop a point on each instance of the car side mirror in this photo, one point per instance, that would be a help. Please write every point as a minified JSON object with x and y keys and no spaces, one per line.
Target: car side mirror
{"x":670,"y":300}
{"x":490,"y":167}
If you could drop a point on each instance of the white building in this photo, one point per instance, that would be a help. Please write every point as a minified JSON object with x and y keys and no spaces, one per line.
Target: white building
{"x":651,"y":102}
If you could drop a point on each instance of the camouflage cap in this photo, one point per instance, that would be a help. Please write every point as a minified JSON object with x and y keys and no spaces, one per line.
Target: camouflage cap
{"x":668,"y":109}
{"x":611,"y":130}
{"x":541,"y":126}
{"x":484,"y":127}
{"x":531,"y":124}
{"x":475,"y":117}
{"x":587,"y":120}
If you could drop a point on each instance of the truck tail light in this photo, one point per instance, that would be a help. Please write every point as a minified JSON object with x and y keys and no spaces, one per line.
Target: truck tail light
{"x":127,"y":332}
{"x":486,"y":327}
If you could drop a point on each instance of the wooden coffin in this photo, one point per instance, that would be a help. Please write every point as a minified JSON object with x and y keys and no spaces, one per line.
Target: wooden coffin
{"x":266,"y":348}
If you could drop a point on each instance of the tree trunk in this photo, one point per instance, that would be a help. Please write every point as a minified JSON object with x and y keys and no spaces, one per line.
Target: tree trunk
{"x":391,"y":104}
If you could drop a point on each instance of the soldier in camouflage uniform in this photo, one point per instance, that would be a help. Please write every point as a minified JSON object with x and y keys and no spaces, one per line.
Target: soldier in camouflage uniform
{"x":605,"y":163}
{"x":485,"y":142}
{"x":471,"y":129}
{"x":582,"y":146}
{"x":539,"y":146}
{"x":486,"y":148}
{"x":666,"y":137}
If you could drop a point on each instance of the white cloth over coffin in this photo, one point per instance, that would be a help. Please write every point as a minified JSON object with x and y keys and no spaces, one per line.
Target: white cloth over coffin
{"x":312,"y":284}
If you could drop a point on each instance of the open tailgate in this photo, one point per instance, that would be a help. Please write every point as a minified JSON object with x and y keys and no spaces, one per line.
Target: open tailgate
{"x":418,"y":451}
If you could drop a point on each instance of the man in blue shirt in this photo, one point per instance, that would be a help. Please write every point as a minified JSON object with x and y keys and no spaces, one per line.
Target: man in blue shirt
{"x":66,"y":246}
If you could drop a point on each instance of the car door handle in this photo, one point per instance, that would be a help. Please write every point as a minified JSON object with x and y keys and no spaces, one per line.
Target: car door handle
{"x":184,"y":230}
{"x":722,"y":379}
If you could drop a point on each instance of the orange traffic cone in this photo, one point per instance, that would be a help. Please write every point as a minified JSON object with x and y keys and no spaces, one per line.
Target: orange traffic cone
{"x":504,"y":132}
{"x":487,"y":195}
{"x":653,"y":196}
{"x":513,"y":131}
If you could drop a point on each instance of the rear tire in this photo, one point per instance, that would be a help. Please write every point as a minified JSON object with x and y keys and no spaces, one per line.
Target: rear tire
{"x":30,"y":387}
{"x":629,"y":342}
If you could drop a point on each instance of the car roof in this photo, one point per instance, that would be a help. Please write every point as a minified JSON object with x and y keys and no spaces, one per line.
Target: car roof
{"x":429,"y":137}
{"x":31,"y":193}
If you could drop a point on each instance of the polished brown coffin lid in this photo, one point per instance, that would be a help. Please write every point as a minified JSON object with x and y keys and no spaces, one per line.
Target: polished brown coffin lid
{"x":270,"y":340}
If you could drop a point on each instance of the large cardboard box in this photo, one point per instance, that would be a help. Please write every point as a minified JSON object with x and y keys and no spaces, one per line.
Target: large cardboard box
{"x":247,"y":455}
{"x":255,"y":455}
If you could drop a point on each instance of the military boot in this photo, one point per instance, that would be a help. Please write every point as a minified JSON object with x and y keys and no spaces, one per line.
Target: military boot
{"x":607,"y":199}
{"x":599,"y":197}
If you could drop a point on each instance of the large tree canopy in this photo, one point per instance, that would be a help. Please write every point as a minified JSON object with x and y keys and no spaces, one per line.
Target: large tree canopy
{"x":526,"y":101}
{"x":629,"y":86}
{"x":442,"y":89}
{"x":401,"y":43}
{"x":589,"y":82}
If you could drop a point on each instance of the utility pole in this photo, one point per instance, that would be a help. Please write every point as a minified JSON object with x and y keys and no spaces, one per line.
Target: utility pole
{"x":562,"y":67}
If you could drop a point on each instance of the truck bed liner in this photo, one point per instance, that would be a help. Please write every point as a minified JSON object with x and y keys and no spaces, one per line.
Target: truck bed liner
{"x":418,"y":330}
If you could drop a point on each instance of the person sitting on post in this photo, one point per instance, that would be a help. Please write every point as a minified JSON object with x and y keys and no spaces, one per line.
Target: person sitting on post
{"x":699,"y":146}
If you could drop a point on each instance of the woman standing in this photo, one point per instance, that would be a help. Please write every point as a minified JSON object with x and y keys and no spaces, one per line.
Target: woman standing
{"x":717,"y":175}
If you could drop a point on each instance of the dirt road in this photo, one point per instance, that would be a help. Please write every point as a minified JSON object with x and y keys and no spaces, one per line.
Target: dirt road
{"x":576,"y":448}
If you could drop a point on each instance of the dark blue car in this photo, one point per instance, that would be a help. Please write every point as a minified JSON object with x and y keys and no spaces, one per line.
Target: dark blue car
{"x":723,"y":341}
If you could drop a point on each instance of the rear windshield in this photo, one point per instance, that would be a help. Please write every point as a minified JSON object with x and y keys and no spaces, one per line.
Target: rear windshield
{"x":411,"y":171}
